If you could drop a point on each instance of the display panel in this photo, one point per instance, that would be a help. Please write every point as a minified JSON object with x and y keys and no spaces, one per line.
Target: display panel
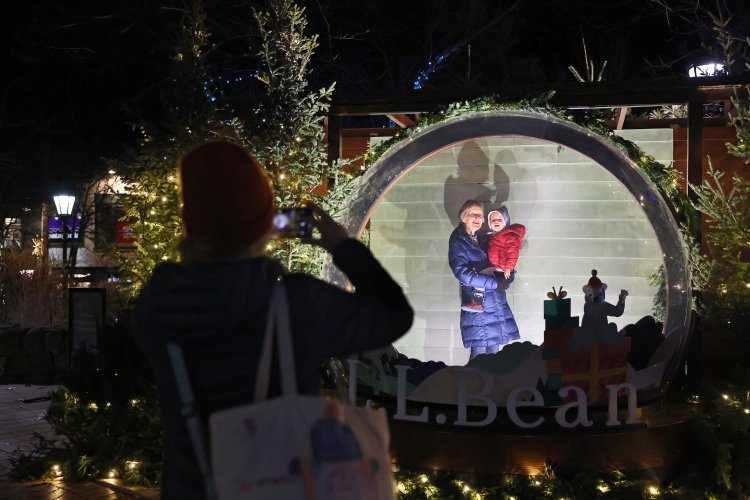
{"x":578,"y":217}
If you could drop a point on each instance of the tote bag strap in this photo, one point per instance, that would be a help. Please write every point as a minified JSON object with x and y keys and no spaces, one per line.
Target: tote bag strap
{"x":193,"y":422}
{"x":278,"y":328}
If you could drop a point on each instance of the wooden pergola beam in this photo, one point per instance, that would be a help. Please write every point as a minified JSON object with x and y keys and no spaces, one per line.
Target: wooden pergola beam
{"x":401,"y":120}
{"x":620,"y":117}
{"x":598,"y":94}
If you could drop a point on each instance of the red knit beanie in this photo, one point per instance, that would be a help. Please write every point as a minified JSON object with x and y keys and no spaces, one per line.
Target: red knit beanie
{"x":594,"y":282}
{"x":227,"y":201}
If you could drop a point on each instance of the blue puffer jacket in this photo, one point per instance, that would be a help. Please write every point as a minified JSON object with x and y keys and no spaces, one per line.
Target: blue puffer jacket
{"x":496,"y":325}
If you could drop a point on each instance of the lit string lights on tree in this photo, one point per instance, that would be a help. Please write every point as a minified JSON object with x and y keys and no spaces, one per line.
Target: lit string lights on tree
{"x":287,"y":136}
{"x":424,"y":75}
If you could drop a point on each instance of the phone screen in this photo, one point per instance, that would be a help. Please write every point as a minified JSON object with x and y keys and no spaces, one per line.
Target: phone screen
{"x":293,"y":222}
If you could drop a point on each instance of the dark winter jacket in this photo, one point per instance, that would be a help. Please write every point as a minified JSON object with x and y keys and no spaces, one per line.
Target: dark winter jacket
{"x":504,"y":247}
{"x":216,"y":312}
{"x":496,"y":324}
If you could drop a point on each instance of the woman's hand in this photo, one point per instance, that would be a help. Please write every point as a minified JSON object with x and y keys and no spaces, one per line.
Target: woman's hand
{"x":331,"y":233}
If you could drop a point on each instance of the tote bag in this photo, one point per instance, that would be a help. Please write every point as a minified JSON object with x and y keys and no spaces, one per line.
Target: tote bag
{"x":297,"y":446}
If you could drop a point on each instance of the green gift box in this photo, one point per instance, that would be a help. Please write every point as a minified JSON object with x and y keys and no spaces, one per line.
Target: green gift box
{"x":558,"y":308}
{"x":554,"y":323}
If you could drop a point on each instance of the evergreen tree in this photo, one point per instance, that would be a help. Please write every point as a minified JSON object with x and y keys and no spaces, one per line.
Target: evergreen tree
{"x":726,"y":295}
{"x":287,"y":134}
{"x":190,"y":116}
{"x":726,"y":205}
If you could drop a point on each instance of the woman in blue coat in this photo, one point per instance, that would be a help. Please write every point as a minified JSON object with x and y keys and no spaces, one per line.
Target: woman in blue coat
{"x":486,"y":326}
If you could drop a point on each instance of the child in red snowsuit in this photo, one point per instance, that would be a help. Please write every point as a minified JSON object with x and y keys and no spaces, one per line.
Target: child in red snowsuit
{"x":502,"y":252}
{"x":505,"y":245}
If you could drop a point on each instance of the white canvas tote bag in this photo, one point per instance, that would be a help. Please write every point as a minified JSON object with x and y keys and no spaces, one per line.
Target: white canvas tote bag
{"x":294,"y":446}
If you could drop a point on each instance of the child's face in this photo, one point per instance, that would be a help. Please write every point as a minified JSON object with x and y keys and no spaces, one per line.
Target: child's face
{"x":496,"y":222}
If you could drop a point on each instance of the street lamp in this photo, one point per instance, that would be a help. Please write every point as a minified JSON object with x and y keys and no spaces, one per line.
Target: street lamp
{"x":64,"y":205}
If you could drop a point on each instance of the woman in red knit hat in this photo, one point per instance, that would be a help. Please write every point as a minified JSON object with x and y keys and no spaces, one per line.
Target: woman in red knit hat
{"x":214,"y":303}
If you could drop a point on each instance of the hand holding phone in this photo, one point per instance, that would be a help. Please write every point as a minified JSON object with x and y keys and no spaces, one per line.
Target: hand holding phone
{"x":329,"y":232}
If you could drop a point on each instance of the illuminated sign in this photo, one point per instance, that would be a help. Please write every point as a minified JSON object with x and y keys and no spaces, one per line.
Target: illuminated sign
{"x":55,"y":231}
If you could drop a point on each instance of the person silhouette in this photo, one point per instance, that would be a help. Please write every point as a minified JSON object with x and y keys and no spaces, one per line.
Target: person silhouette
{"x":214,"y":303}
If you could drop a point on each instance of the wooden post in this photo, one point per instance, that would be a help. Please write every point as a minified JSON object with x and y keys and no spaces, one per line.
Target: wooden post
{"x":44,"y":239}
{"x":334,"y":138}
{"x":693,"y":355}
{"x":334,"y":143}
{"x":695,"y":145}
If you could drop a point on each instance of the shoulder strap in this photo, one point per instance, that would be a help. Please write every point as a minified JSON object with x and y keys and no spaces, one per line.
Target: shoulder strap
{"x":192,"y":420}
{"x":277,"y":326}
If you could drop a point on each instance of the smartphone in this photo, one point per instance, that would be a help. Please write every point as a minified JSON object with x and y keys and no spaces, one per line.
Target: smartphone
{"x":293,"y":222}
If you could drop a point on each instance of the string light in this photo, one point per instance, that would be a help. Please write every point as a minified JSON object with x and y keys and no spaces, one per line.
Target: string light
{"x":57,"y":471}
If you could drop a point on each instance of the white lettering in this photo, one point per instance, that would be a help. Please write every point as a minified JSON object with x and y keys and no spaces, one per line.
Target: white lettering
{"x":512,"y":402}
{"x":463,"y":396}
{"x":580,"y":403}
{"x":612,"y":390}
{"x":401,"y":398}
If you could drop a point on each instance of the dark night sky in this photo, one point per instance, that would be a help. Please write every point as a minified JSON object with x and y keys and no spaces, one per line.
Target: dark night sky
{"x":74,"y":77}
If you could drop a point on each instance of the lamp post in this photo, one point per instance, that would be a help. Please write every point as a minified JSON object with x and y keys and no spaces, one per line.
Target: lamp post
{"x":64,"y":205}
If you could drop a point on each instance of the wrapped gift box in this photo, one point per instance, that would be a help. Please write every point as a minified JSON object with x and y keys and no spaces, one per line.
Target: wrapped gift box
{"x":593,"y":369}
{"x":557,"y":308}
{"x":553,"y":340}
{"x":557,"y":314}
{"x":560,"y":323}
